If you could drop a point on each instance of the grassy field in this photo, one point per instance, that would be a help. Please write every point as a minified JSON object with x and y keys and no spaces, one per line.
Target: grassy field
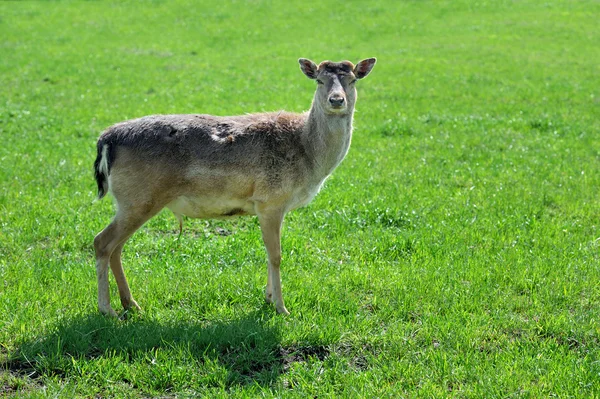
{"x":454,"y":253}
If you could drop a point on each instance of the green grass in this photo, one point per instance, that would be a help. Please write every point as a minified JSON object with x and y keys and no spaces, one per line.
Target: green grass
{"x":454,"y":253}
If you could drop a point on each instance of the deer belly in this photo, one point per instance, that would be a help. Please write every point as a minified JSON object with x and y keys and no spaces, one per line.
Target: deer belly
{"x":210,"y":207}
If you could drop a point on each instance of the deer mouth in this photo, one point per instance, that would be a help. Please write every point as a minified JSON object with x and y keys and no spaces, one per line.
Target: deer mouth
{"x":337,"y":109}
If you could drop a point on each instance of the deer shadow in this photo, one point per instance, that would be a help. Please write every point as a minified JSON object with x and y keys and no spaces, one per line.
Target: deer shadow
{"x":248,"y":348}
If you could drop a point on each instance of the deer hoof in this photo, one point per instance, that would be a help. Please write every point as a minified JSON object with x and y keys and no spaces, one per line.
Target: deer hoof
{"x":283,"y":311}
{"x":109,"y":312}
{"x":132,"y":306}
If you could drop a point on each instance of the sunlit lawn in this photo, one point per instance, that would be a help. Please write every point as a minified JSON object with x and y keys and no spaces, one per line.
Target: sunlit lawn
{"x":455,"y":252}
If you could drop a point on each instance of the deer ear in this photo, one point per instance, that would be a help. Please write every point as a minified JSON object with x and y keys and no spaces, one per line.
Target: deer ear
{"x":308,"y":67}
{"x":363,"y":68}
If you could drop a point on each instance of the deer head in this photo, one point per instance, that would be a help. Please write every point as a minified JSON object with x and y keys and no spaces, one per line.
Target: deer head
{"x":336,"y":94}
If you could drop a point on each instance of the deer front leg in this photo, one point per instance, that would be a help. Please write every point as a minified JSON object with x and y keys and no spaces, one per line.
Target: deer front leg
{"x":270,"y":224}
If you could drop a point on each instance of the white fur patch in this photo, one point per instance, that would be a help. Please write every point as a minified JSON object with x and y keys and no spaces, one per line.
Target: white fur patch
{"x":103,"y":167}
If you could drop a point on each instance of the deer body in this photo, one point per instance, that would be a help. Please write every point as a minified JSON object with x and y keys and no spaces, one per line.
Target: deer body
{"x":205,"y":166}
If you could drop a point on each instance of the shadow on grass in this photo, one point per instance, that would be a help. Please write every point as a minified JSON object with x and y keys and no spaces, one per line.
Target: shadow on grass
{"x":248,"y":348}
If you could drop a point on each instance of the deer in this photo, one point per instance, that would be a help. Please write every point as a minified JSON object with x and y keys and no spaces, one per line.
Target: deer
{"x":205,"y":166}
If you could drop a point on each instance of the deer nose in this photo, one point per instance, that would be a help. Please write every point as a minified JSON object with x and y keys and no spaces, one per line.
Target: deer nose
{"x":336,"y":100}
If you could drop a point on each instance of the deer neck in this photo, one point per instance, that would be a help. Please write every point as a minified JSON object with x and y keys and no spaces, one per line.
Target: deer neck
{"x":328,"y":138}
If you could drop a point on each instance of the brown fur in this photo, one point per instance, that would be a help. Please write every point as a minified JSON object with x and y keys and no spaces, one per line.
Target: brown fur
{"x":212,"y":167}
{"x":337,"y":68}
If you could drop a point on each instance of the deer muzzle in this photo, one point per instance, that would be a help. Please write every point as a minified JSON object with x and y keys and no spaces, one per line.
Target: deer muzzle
{"x":337,"y":101}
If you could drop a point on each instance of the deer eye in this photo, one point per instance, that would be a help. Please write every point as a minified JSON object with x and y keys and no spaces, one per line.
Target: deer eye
{"x":353,"y":81}
{"x":319,"y":81}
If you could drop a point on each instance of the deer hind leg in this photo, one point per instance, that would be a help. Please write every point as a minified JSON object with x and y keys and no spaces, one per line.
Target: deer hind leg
{"x":108,"y":244}
{"x":117,"y":269}
{"x":270,"y":224}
